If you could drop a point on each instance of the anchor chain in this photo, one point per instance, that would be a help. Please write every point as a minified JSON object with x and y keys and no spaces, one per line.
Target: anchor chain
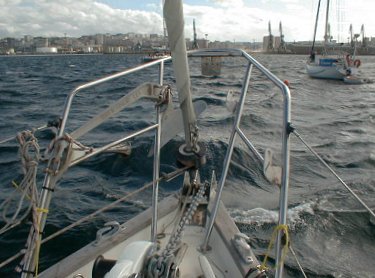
{"x":162,"y":265}
{"x":194,"y":136}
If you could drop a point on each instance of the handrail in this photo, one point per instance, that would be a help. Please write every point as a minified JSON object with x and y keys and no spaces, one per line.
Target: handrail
{"x":101,"y":81}
{"x":283,"y":200}
{"x":236,"y":132}
{"x":165,"y":177}
{"x":50,"y":180}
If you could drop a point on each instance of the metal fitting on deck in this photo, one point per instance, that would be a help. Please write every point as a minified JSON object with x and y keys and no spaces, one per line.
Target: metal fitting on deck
{"x":190,"y":158}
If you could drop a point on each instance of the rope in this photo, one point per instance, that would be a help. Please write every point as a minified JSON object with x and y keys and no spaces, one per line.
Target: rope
{"x":57,"y":147}
{"x":278,"y":228}
{"x":92,"y":215}
{"x":333,"y":172}
{"x":167,"y":177}
{"x":38,"y":239}
{"x":29,"y":152}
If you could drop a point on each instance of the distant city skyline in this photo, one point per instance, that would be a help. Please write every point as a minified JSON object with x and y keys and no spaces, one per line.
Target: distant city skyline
{"x":223,"y":20}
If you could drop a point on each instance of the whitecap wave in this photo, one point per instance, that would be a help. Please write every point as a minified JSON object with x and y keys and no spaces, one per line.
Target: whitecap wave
{"x":260,"y":216}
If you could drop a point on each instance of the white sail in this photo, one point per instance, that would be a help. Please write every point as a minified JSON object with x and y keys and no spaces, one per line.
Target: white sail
{"x":173,"y":14}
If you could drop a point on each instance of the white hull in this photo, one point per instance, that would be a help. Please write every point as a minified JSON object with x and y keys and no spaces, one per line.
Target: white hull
{"x":355,"y":80}
{"x":223,"y":258}
{"x":325,"y":72}
{"x":154,"y":58}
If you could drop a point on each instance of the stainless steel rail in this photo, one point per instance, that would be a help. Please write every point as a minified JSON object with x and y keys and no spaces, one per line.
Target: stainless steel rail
{"x":50,"y":181}
{"x":283,"y":199}
{"x":69,"y":100}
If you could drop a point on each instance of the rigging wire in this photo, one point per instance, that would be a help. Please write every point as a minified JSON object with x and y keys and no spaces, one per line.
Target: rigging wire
{"x":299,"y":264}
{"x":32,"y":131}
{"x":332,"y":171}
{"x":166,"y":177}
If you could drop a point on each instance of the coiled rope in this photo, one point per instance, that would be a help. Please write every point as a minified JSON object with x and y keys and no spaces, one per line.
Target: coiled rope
{"x":29,"y":152}
{"x":263,"y":266}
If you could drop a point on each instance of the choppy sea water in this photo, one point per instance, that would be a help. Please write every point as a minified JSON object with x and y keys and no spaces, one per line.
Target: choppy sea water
{"x":332,"y":235}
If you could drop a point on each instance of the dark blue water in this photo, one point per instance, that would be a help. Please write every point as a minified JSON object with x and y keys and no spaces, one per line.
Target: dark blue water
{"x":330,"y":232}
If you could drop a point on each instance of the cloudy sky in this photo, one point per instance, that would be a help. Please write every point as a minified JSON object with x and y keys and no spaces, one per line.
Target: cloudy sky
{"x":232,"y":20}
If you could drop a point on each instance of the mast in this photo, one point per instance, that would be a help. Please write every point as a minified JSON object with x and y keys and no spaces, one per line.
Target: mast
{"x":329,"y":36}
{"x":165,"y":39}
{"x":326,"y":29}
{"x":195,"y":43}
{"x":316,"y":25}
